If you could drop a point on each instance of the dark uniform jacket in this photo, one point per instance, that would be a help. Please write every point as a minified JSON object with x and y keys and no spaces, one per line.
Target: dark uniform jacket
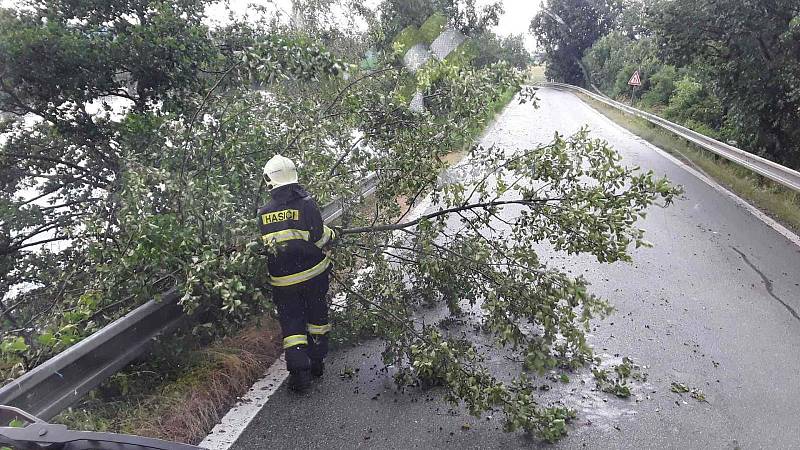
{"x":291,"y":226}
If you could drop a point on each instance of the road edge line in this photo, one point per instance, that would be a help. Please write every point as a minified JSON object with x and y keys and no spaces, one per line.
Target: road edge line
{"x":761,"y":215}
{"x":231,"y":427}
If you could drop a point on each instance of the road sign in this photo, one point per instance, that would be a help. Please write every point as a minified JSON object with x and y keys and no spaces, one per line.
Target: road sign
{"x":635,"y":80}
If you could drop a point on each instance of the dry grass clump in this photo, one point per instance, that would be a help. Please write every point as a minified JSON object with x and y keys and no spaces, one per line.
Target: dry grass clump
{"x":180,"y":396}
{"x":238,"y":361}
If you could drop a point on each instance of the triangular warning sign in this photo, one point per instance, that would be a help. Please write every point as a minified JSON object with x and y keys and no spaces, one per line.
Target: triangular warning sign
{"x":636,"y":80}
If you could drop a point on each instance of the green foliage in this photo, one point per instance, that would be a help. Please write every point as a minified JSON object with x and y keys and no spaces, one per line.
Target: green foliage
{"x":125,"y":195}
{"x":613,"y":59}
{"x":433,"y":27}
{"x":692,"y":103}
{"x":43,"y":46}
{"x":574,"y":213}
{"x":553,"y":423}
{"x":566,"y":28}
{"x":606,"y":61}
{"x":619,"y":385}
{"x":695,"y":393}
{"x":679,"y":388}
{"x":734,"y":78}
{"x":492,"y":49}
{"x":483,"y":48}
{"x":430,"y":15}
{"x":464,"y":55}
{"x":272,"y":58}
{"x":12,"y":345}
{"x":751,"y":52}
{"x":409,"y":37}
{"x":662,"y":87}
{"x":549,"y":423}
{"x":677,"y":92}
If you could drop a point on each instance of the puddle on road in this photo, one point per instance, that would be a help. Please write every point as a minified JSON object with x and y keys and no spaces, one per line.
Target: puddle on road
{"x":600,"y":410}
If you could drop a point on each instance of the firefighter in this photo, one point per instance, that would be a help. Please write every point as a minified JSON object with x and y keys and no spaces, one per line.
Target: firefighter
{"x":292,"y":229}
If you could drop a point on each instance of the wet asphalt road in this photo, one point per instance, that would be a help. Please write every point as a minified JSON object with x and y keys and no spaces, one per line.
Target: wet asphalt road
{"x":713,"y":305}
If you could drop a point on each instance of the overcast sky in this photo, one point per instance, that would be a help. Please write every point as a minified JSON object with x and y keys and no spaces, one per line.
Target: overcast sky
{"x":516,"y":18}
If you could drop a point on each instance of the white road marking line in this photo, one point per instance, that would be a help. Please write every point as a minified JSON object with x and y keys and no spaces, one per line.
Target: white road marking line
{"x":225,"y":434}
{"x":769,"y":221}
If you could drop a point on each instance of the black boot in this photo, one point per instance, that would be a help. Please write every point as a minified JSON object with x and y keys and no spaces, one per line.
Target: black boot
{"x":317,"y":368}
{"x":299,"y":380}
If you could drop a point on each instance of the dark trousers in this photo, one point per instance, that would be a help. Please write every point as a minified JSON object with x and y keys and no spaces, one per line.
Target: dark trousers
{"x":303,"y":314}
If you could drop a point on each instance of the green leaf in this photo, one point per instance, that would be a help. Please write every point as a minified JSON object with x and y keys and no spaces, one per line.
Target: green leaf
{"x":14,"y":345}
{"x":47,"y":339}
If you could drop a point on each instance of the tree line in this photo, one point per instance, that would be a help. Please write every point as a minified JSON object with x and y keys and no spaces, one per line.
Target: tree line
{"x":729,"y":68}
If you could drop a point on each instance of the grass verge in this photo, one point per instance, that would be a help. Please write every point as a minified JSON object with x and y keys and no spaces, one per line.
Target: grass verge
{"x":499,"y":105}
{"x":179,"y":395}
{"x":773,"y":199}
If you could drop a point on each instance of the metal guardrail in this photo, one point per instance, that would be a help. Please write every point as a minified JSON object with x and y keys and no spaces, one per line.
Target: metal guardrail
{"x":54,"y":385}
{"x":784,"y":176}
{"x":36,"y":434}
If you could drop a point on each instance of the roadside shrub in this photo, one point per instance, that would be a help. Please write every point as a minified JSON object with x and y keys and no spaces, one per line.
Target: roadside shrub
{"x":662,"y":86}
{"x":693,"y":103}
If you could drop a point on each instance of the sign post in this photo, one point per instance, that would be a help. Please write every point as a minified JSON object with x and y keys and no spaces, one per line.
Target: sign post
{"x":634,"y":82}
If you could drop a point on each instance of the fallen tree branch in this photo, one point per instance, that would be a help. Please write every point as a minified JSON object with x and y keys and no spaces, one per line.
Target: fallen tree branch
{"x":444,"y":212}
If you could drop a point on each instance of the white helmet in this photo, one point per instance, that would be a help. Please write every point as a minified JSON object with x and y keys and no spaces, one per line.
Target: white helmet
{"x":280,"y":171}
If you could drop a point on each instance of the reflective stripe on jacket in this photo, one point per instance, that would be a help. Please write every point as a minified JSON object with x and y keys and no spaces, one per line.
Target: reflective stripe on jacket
{"x":291,"y":225}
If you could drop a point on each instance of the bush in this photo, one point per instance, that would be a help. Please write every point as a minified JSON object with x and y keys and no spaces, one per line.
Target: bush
{"x":621,"y":88}
{"x":693,"y":103}
{"x":613,"y":59}
{"x":605,"y":60}
{"x":662,"y":86}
